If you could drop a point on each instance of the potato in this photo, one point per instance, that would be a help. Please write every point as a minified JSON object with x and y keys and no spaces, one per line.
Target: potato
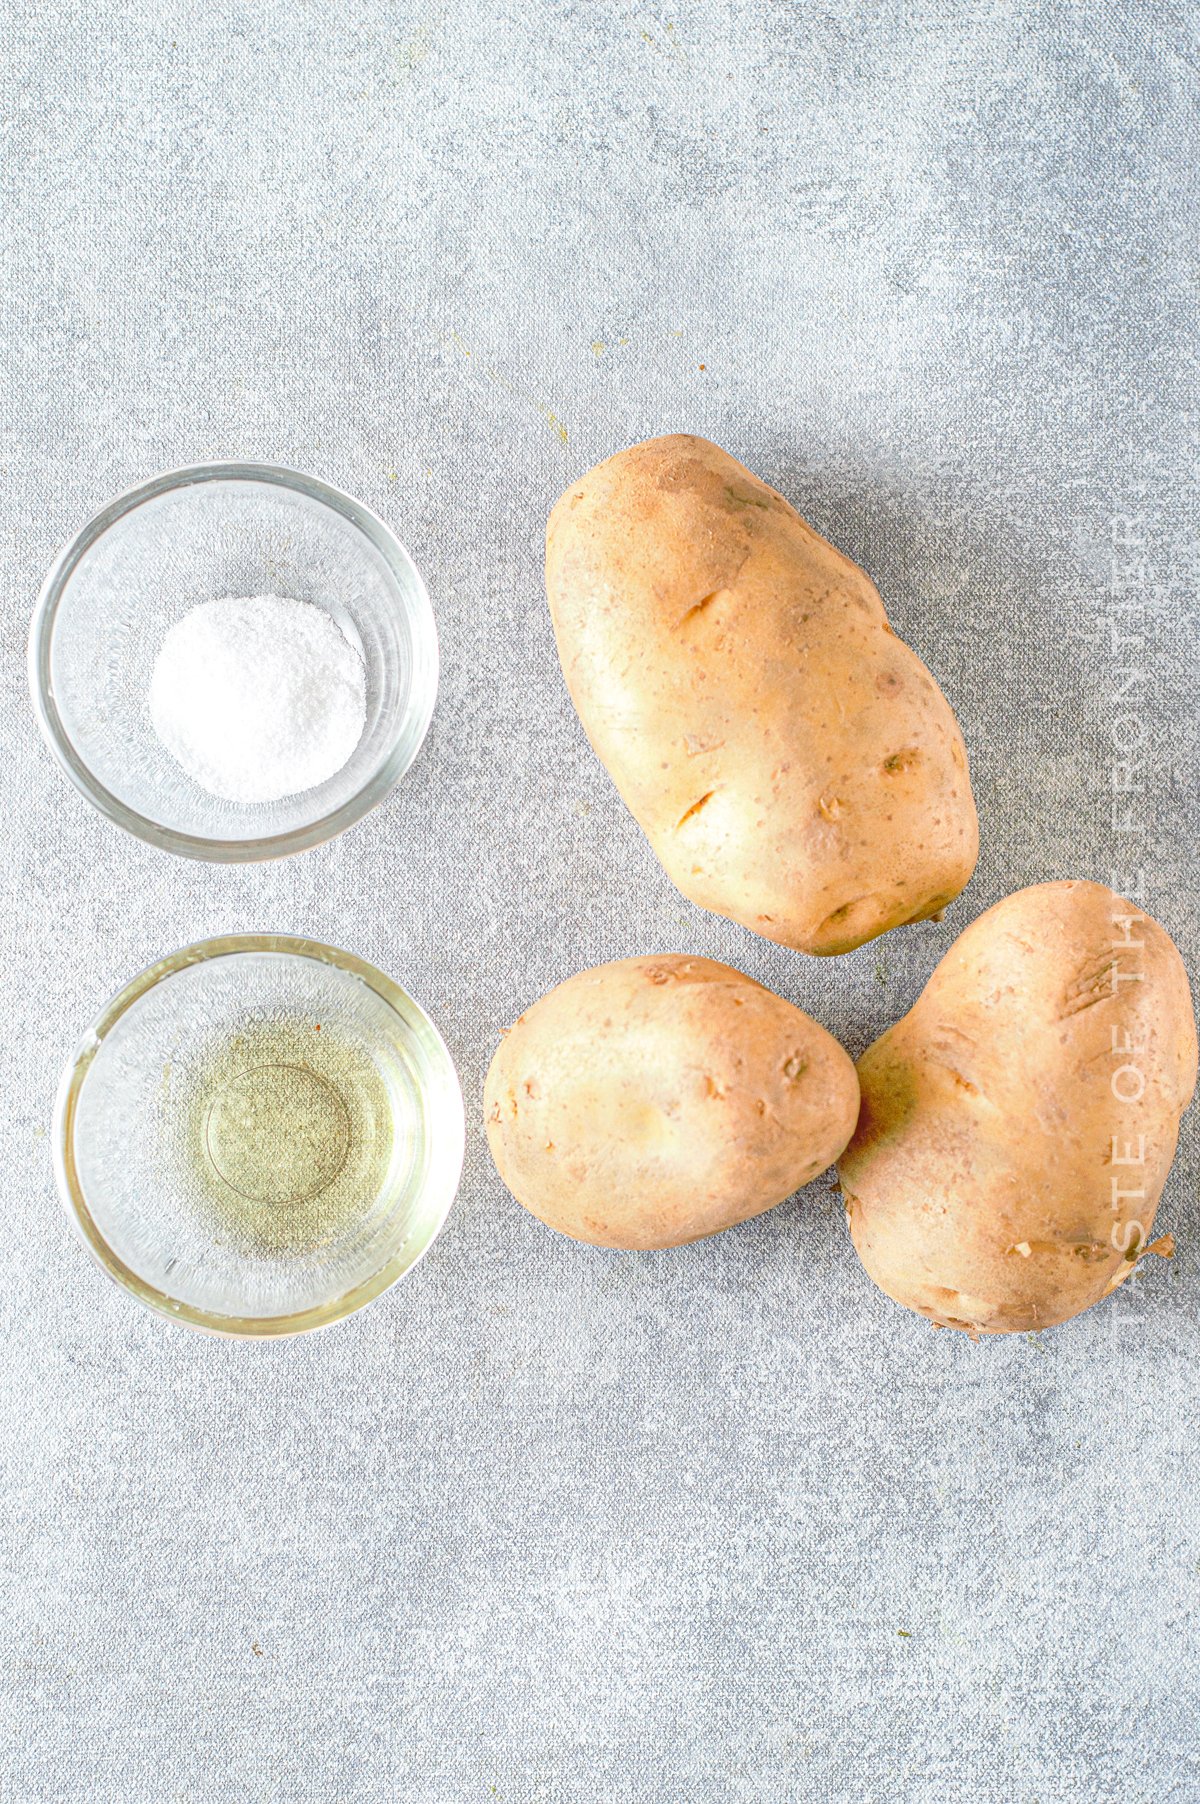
{"x":655,"y":1100}
{"x":1018,"y":1123}
{"x":791,"y":761}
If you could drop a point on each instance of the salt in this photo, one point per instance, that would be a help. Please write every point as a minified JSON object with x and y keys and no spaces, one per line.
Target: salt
{"x":258,"y":697}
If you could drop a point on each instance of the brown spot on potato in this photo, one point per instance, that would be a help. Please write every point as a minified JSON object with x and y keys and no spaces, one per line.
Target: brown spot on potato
{"x":829,"y":807}
{"x":906,"y":759}
{"x":698,"y":607}
{"x":888,"y":683}
{"x":695,"y":808}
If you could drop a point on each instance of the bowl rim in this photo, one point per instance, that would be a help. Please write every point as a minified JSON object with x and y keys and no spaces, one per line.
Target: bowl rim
{"x":404,"y":743}
{"x":446,"y":1163}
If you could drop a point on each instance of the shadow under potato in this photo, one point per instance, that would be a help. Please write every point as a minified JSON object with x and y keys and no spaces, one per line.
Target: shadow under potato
{"x":1001,"y":634}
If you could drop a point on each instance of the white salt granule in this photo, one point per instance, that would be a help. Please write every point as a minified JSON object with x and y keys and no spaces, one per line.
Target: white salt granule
{"x":258,"y":697}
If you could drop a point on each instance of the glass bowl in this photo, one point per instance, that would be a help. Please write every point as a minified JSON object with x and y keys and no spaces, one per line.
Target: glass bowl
{"x":186,"y":537}
{"x":259,"y":1135}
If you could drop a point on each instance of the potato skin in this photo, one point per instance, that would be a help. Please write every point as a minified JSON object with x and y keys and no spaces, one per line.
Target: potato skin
{"x":993,"y":1182}
{"x":791,"y":761}
{"x":654,"y":1100}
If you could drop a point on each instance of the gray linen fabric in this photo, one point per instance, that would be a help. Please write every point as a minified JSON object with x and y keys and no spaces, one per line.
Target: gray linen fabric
{"x":550,"y":1525}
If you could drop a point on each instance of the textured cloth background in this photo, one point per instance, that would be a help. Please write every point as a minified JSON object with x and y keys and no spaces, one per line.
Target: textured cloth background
{"x":550,"y":1525}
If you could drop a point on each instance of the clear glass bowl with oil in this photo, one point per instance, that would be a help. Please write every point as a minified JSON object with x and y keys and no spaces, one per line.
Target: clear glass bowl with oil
{"x":259,"y":1135}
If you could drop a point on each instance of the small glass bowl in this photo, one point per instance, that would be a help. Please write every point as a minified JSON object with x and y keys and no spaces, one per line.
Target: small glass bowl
{"x":186,"y":537}
{"x":259,"y":1135}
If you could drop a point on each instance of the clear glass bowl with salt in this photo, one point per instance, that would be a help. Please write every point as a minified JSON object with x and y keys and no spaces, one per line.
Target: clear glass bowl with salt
{"x":157,"y":557}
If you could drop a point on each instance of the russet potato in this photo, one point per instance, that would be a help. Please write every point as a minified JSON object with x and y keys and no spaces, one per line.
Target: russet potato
{"x":1018,"y":1124}
{"x":654,"y":1100}
{"x":791,"y":761}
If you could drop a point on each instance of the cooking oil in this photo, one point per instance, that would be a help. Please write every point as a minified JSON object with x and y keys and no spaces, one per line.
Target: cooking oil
{"x":288,"y":1131}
